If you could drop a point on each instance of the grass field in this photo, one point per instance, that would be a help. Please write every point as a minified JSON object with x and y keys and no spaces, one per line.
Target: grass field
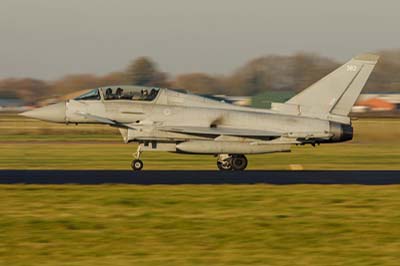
{"x":199,"y":225}
{"x":118,"y":156}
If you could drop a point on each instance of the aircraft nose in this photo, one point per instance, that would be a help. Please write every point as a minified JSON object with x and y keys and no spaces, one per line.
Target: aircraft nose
{"x":52,"y":113}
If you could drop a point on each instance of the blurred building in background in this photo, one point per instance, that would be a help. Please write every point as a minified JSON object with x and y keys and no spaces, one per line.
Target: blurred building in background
{"x":378,"y":102}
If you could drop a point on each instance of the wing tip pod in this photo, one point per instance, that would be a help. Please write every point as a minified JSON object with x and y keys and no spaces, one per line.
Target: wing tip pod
{"x":373,"y":58}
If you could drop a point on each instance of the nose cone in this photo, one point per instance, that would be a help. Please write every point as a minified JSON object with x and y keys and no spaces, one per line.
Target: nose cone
{"x":52,"y":113}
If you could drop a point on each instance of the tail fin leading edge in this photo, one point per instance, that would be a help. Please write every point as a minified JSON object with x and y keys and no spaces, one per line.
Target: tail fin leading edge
{"x":337,"y":92}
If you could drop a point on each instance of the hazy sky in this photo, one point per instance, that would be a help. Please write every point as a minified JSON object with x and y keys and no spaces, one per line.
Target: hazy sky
{"x":51,"y":38}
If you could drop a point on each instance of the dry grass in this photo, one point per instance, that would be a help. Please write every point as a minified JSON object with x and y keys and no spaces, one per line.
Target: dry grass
{"x":199,"y":225}
{"x":118,"y":156}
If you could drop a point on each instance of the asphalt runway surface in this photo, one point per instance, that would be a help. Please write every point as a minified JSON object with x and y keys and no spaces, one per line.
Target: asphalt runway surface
{"x":94,"y":177}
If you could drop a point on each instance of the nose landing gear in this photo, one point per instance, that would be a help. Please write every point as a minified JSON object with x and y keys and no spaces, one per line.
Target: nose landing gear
{"x":137,"y":164}
{"x":236,"y":162}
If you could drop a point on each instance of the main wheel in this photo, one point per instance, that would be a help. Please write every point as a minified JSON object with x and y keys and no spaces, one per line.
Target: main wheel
{"x":137,"y":165}
{"x":239,"y":162}
{"x":224,"y":166}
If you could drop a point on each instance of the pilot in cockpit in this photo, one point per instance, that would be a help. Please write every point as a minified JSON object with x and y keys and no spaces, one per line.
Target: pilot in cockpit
{"x":119,"y":93}
{"x":144,"y":95}
{"x":109,"y":94}
{"x":153,"y":94}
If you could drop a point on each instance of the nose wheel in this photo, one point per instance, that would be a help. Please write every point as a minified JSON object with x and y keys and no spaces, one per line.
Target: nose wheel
{"x":137,"y":165}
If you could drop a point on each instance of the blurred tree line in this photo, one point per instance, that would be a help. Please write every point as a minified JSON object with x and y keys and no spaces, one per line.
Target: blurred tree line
{"x":267,"y":73}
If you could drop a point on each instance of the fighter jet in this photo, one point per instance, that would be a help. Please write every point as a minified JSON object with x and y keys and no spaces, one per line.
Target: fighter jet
{"x":161,"y":119}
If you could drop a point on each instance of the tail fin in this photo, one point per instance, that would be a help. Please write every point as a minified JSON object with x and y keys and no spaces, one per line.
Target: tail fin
{"x":336,"y":93}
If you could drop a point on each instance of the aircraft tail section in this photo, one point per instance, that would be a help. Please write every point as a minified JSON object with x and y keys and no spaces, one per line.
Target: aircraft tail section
{"x":335,"y":94}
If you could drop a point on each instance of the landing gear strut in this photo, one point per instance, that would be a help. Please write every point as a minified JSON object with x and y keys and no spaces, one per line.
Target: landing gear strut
{"x":236,"y":162}
{"x":137,"y":164}
{"x":224,"y":162}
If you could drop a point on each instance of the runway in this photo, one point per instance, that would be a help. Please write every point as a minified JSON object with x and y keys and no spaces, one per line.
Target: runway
{"x":93,"y":177}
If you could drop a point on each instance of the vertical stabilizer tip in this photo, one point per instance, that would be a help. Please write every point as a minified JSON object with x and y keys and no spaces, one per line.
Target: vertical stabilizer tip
{"x":367,"y":57}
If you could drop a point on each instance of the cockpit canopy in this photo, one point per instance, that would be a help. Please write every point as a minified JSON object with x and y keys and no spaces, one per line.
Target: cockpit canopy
{"x":132,"y":93}
{"x":90,"y":95}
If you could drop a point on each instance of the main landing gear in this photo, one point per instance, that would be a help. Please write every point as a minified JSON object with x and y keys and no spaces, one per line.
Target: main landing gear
{"x":236,"y":162}
{"x":137,"y":164}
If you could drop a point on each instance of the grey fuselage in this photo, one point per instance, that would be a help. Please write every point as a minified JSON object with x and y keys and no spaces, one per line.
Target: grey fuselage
{"x":172,"y":108}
